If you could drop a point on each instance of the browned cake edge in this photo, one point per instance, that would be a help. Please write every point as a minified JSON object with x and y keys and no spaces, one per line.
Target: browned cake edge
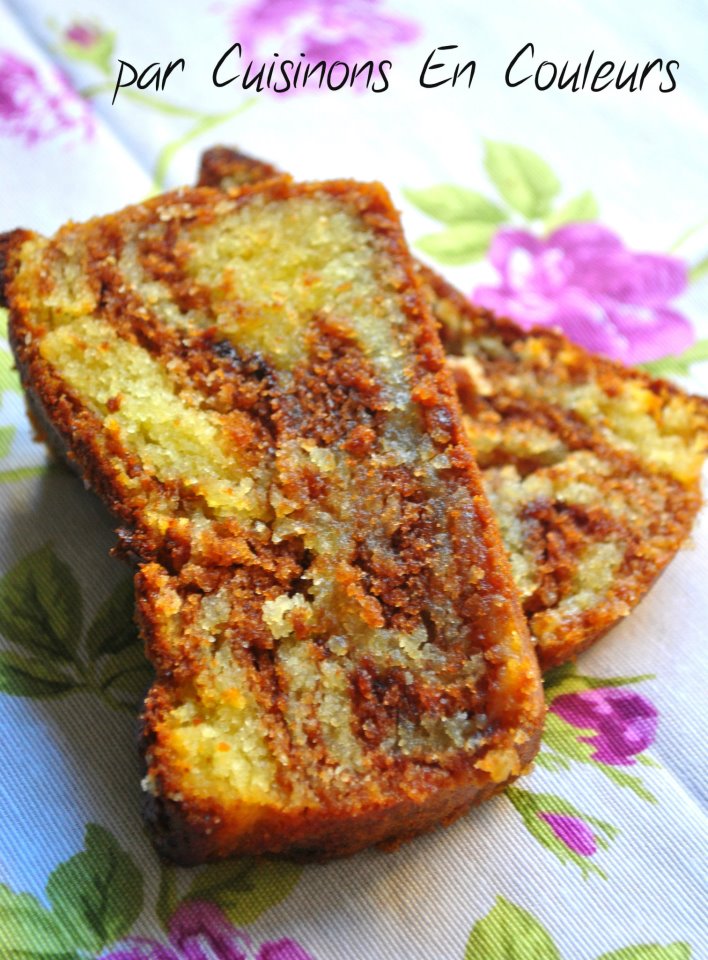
{"x":218,"y":163}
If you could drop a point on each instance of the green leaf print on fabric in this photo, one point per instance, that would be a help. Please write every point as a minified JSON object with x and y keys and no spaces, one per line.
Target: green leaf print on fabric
{"x":98,"y":893}
{"x":124,"y":678}
{"x":41,"y":615}
{"x":459,"y":244}
{"x":6,"y":437}
{"x":40,"y":605}
{"x":96,"y":896}
{"x":243,"y":888}
{"x":679,"y":366}
{"x":527,"y":187}
{"x":652,"y":951}
{"x":451,"y":204}
{"x":522,"y":178}
{"x":23,"y":676}
{"x":698,"y":270}
{"x":509,"y":932}
{"x":581,"y":208}
{"x":27,"y":929}
{"x":122,"y":672}
{"x":111,"y":631}
{"x":566,"y":679}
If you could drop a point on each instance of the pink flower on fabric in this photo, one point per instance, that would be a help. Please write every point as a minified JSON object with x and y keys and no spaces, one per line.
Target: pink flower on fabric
{"x":624,"y":722}
{"x":582,"y":280}
{"x":36,"y":108}
{"x":284,"y":949}
{"x":573,"y":832}
{"x":352,"y":31}
{"x":201,"y":931}
{"x":83,"y":33}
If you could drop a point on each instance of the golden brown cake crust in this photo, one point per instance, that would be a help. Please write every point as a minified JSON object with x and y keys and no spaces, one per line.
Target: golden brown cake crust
{"x":510,"y":384}
{"x":335,"y":400}
{"x":221,"y":163}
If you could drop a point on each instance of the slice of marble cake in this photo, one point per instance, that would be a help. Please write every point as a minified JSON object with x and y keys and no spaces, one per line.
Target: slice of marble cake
{"x":254,"y":385}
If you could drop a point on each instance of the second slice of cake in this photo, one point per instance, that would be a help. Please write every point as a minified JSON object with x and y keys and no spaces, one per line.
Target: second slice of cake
{"x":254,"y":385}
{"x":593,"y":469}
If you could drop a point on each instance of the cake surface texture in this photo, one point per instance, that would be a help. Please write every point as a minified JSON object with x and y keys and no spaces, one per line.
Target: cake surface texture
{"x":254,"y":385}
{"x":592,"y":469}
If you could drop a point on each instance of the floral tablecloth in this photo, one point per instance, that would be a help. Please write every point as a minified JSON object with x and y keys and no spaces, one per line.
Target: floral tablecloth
{"x":583,"y":210}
